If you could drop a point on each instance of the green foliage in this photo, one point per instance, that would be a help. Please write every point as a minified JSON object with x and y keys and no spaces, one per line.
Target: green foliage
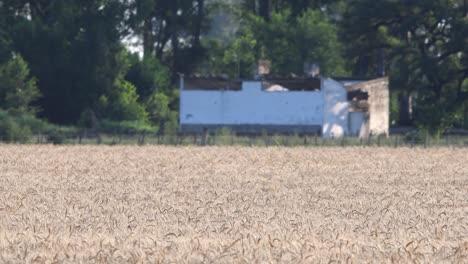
{"x":70,"y":47}
{"x":157,"y":95}
{"x":161,"y":114}
{"x":88,"y":119}
{"x":425,"y":43}
{"x":171,"y":30}
{"x":121,"y":102}
{"x":17,"y":89}
{"x":171,"y":126}
{"x":11,"y":130}
{"x":19,"y":127}
{"x":56,"y":137}
{"x":148,"y":75}
{"x":234,"y":59}
{"x":35,"y":124}
{"x":416,"y":136}
{"x":213,"y":62}
{"x":126,"y":127}
{"x":239,"y":58}
{"x":158,"y":107}
{"x":288,"y":41}
{"x":317,"y":41}
{"x":225,"y":132}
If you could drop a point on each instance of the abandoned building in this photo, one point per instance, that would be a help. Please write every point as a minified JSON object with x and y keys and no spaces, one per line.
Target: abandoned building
{"x":331,"y":107}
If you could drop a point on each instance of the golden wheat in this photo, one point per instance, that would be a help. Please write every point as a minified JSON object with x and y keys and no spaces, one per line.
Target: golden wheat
{"x":120,"y":204}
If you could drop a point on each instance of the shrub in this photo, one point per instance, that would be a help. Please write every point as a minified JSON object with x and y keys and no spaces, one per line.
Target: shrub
{"x":88,"y":119}
{"x":17,"y":89}
{"x":416,"y":136}
{"x":56,"y":137}
{"x":12,"y":131}
{"x":126,"y":127}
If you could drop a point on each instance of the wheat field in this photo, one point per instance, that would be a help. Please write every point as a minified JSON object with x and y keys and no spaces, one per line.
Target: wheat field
{"x":130,"y":204}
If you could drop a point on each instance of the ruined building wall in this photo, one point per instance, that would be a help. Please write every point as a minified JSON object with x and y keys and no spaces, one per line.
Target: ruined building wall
{"x":251,"y":109}
{"x":379,"y":104}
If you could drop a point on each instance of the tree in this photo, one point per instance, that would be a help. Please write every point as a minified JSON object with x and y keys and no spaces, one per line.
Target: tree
{"x":18,"y":89}
{"x":290,"y":42}
{"x":71,"y":48}
{"x":120,"y":103}
{"x":149,"y":75}
{"x":239,"y":57}
{"x":171,"y":31}
{"x":155,"y":91}
{"x":426,"y":46}
{"x":161,"y":113}
{"x":4,"y":36}
{"x":264,"y":8}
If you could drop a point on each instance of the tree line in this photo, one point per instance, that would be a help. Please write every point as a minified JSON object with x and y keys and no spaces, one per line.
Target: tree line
{"x":108,"y":62}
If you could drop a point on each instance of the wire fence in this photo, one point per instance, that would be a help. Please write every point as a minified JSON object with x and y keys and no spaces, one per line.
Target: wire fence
{"x":265,"y":140}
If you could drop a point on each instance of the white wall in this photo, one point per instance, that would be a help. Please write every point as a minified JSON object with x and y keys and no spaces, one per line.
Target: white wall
{"x":336,"y":109}
{"x":379,"y":106}
{"x":251,"y":106}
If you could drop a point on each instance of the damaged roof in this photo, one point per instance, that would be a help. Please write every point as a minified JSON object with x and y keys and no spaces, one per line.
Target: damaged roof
{"x":269,"y":84}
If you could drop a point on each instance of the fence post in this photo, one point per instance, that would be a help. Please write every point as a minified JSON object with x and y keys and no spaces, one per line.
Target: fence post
{"x":178,"y":141}
{"x":204,"y":135}
{"x":425,"y":139}
{"x":396,"y":141}
{"x":305,"y":140}
{"x":98,"y":139}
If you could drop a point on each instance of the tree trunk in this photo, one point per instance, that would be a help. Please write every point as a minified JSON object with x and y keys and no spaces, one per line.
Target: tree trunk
{"x":405,"y":109}
{"x":148,"y":42}
{"x":175,"y":55}
{"x":199,"y":24}
{"x":264,"y":9}
{"x":173,"y":26}
{"x":361,"y":68}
